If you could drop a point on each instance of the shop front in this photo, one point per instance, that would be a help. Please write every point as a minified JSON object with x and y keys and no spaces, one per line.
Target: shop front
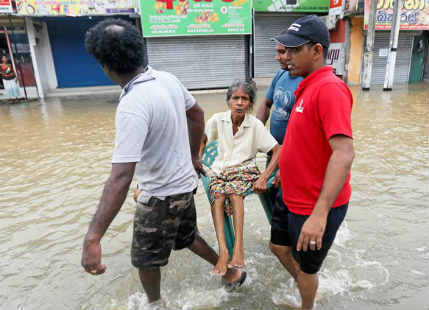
{"x":414,"y":20}
{"x":56,"y":32}
{"x":14,"y":45}
{"x":74,"y":67}
{"x":205,"y":44}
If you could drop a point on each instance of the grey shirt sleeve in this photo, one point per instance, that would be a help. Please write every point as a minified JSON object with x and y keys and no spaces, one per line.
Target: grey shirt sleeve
{"x":131,"y":132}
{"x":189,"y":99}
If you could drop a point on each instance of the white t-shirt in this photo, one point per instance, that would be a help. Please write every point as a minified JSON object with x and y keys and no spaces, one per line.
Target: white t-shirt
{"x":152,"y":130}
{"x":239,"y":149}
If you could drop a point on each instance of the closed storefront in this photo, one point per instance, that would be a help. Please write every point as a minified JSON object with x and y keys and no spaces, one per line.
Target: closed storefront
{"x":403,"y":57}
{"x":204,"y":43}
{"x":74,"y":67}
{"x":266,"y":27}
{"x":201,"y":62}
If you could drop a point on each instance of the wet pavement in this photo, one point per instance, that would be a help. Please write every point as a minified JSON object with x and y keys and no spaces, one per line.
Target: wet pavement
{"x":55,"y":158}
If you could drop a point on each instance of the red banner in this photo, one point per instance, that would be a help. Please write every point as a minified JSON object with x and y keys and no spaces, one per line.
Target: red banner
{"x":6,"y":6}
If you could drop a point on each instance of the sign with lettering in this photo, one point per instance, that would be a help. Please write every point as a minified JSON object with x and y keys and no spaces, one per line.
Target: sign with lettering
{"x":335,"y":7}
{"x":336,"y":57}
{"x":414,"y":15}
{"x":74,"y":7}
{"x":6,"y":6}
{"x":310,"y":6}
{"x":162,"y":18}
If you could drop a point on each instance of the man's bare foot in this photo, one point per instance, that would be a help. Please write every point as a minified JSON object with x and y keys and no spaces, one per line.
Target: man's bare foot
{"x":221,"y":265}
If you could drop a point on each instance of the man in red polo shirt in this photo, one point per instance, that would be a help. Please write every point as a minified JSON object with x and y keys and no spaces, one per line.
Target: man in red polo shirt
{"x":316,"y":155}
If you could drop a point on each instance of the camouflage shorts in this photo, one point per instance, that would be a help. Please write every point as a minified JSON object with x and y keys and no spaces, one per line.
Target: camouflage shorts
{"x":159,"y":227}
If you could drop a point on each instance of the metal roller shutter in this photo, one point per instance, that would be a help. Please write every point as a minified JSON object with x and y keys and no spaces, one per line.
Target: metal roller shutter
{"x":403,"y":57}
{"x":201,"y":62}
{"x":266,"y":27}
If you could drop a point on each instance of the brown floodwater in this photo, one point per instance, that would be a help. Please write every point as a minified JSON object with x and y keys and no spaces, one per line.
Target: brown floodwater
{"x":55,"y":157}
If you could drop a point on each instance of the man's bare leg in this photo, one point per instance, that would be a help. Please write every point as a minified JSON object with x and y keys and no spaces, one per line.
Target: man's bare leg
{"x":307,"y":285}
{"x":218,"y":220}
{"x":284,"y":254}
{"x":151,"y":281}
{"x":237,"y":260}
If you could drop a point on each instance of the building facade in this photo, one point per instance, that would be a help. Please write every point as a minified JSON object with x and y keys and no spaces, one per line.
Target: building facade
{"x":206,"y":44}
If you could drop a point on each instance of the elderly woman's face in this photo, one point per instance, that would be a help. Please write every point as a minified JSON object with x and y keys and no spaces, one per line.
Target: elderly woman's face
{"x":239,"y":102}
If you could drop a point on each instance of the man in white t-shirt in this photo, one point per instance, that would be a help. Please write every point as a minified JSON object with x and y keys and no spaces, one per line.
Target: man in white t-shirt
{"x":159,"y":127}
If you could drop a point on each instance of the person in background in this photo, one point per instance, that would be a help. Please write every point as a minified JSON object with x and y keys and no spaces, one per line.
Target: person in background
{"x":280,"y":98}
{"x":9,"y":79}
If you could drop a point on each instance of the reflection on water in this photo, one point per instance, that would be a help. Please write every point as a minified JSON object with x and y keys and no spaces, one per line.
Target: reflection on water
{"x":55,"y":159}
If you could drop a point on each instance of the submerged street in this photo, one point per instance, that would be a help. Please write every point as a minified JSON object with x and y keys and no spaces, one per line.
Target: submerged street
{"x":55,"y":157}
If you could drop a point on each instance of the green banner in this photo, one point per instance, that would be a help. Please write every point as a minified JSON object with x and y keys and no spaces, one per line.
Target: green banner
{"x":161,"y":18}
{"x":308,"y":6}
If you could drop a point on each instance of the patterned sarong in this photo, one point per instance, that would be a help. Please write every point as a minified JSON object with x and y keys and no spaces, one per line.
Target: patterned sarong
{"x":236,"y":180}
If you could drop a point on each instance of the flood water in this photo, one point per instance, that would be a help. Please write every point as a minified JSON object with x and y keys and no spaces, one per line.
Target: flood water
{"x":55,"y":158}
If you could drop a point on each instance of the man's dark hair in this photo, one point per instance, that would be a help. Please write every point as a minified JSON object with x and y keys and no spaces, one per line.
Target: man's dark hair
{"x":117,"y":45}
{"x":325,"y":49}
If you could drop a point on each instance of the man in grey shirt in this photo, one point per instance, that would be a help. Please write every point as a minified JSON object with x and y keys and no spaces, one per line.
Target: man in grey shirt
{"x":159,"y":127}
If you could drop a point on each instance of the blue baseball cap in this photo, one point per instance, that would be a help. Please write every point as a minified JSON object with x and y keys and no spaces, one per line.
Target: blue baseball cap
{"x":309,"y":28}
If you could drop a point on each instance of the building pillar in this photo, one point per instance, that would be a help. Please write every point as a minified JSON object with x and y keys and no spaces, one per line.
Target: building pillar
{"x":32,"y":42}
{"x":41,"y":54}
{"x":356,"y":51}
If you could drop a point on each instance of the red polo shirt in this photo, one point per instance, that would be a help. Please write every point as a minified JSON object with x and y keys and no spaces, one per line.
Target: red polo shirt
{"x":322,"y":109}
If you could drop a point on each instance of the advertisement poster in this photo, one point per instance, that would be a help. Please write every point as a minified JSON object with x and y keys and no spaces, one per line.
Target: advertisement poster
{"x":195,"y":17}
{"x":74,"y":7}
{"x":311,"y":6}
{"x":6,"y":6}
{"x":414,"y":15}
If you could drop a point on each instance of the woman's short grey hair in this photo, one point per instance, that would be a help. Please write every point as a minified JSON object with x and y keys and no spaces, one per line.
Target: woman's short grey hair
{"x":248,"y":87}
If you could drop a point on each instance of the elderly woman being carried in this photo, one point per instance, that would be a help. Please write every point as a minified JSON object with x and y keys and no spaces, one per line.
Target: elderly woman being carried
{"x":234,"y":173}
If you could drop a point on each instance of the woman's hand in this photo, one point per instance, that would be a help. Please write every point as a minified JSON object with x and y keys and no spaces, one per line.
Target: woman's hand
{"x":260,"y":185}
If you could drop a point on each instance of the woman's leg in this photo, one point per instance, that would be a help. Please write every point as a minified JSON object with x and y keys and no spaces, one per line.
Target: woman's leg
{"x":237,"y":260}
{"x":218,"y":220}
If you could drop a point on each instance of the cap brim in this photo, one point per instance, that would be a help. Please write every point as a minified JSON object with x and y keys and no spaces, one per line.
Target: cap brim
{"x":290,"y":40}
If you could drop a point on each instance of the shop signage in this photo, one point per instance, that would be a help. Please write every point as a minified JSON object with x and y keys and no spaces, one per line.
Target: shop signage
{"x":311,"y":6}
{"x":335,"y":7}
{"x":414,"y":14}
{"x":74,"y":7}
{"x":6,"y":6}
{"x":161,"y":18}
{"x":336,"y":57}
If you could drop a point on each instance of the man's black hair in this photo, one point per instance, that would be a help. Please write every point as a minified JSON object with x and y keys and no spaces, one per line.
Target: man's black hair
{"x":325,"y":49}
{"x":117,"y":45}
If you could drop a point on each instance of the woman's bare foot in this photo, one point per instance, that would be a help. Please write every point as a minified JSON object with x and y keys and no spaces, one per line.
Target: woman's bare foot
{"x":237,"y":260}
{"x":221,"y":265}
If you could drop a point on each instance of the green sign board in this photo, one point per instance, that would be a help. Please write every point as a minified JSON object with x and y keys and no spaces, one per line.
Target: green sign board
{"x":161,"y":18}
{"x":309,"y":6}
